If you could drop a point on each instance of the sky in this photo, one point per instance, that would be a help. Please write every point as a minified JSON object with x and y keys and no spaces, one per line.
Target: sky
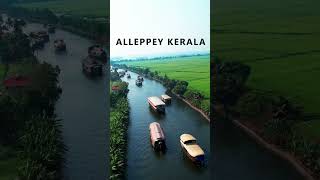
{"x":158,"y":19}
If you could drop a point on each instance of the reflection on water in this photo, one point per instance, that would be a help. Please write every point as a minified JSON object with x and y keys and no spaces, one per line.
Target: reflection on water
{"x":143,"y":162}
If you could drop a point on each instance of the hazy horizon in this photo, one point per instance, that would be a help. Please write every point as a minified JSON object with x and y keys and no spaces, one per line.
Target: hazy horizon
{"x":154,"y":19}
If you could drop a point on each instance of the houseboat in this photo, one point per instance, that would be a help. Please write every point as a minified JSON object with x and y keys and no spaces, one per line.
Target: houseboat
{"x":36,"y":43}
{"x":91,"y":66}
{"x":166,"y":99}
{"x":140,"y":78}
{"x":156,"y":104}
{"x":60,"y":45}
{"x":157,"y":137}
{"x":40,"y":35}
{"x":138,"y":82}
{"x":121,"y":73}
{"x":97,"y":52}
{"x":191,"y":148}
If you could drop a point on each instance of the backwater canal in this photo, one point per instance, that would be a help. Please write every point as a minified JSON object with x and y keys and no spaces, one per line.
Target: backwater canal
{"x":82,"y":108}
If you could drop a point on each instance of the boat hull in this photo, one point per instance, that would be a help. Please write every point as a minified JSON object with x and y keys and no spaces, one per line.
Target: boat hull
{"x":158,"y":110}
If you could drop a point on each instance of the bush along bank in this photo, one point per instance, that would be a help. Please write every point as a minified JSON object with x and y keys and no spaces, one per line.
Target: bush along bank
{"x":269,"y":115}
{"x":28,"y":125}
{"x":119,"y":119}
{"x":180,"y":88}
{"x":86,"y":27}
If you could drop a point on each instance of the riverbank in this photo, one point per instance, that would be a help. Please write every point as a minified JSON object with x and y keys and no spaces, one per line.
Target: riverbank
{"x":193,"y":107}
{"x":297,"y":164}
{"x":119,"y":122}
{"x":29,"y":92}
{"x":254,"y":133}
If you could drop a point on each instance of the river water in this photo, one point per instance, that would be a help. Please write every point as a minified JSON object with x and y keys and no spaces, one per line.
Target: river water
{"x":143,"y":162}
{"x":82,"y":108}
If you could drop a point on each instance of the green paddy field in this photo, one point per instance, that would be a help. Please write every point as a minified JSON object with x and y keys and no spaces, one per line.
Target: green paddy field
{"x":195,"y":70}
{"x":280,"y":41}
{"x":92,"y":8}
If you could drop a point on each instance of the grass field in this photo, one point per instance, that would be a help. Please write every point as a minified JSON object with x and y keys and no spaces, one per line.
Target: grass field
{"x":93,"y":8}
{"x":195,"y":70}
{"x":280,"y":41}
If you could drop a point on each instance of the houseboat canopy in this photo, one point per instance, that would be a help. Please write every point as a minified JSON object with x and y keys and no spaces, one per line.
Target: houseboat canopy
{"x":156,"y":131}
{"x":165,"y":97}
{"x":156,"y":101}
{"x":187,"y":137}
{"x":191,"y":146}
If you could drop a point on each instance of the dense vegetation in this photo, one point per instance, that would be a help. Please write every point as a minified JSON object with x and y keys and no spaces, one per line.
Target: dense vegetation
{"x":188,"y":77}
{"x":279,"y":41}
{"x":30,"y":137}
{"x":119,"y":119}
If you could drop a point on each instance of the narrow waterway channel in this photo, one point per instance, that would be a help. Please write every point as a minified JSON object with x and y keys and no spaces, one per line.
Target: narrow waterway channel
{"x":143,"y":162}
{"x":235,"y":155}
{"x":82,"y":108}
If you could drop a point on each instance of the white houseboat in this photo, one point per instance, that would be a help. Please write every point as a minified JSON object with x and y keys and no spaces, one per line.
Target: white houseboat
{"x":166,"y":99}
{"x":156,"y":104}
{"x":191,"y":148}
{"x":157,"y":137}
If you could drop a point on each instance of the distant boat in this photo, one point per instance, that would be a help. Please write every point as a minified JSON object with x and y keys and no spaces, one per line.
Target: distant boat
{"x":157,"y":137}
{"x":156,"y":104}
{"x":191,"y":148}
{"x":91,"y":66}
{"x":97,"y":52}
{"x":43,"y":35}
{"x":140,"y":78}
{"x":121,"y":73}
{"x":60,"y":45}
{"x":138,"y":82}
{"x":166,"y":99}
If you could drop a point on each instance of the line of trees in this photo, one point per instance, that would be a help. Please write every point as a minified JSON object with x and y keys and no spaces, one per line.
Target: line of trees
{"x":119,"y":119}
